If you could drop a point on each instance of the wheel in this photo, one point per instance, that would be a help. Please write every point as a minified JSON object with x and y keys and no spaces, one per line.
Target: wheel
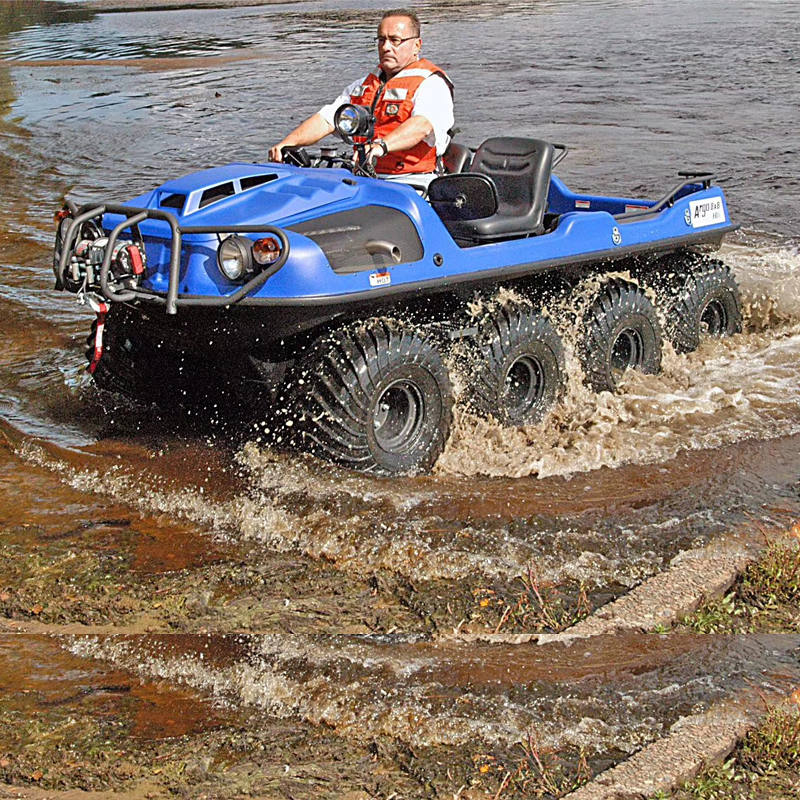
{"x":621,"y":331}
{"x":520,"y":371}
{"x":703,"y":301}
{"x":375,"y":397}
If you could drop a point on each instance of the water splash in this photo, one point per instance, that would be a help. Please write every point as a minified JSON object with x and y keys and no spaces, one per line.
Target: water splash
{"x":727,"y":391}
{"x":624,"y":691}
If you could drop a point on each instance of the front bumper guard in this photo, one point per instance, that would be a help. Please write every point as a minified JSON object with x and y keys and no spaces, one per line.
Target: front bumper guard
{"x":134,"y":216}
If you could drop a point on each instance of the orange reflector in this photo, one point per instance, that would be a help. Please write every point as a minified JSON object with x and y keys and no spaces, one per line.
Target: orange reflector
{"x":266,"y":251}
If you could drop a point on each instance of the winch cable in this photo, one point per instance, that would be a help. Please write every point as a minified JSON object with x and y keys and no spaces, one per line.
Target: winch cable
{"x":101,"y":309}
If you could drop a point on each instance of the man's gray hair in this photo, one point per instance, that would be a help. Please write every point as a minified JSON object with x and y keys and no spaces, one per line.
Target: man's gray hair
{"x":404,"y":12}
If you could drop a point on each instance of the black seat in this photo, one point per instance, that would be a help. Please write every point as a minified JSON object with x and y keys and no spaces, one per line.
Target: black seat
{"x":456,"y":158}
{"x":520,"y":170}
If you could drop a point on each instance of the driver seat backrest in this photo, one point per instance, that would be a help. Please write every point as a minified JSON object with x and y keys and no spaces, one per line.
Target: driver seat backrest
{"x":456,"y":158}
{"x":520,"y":170}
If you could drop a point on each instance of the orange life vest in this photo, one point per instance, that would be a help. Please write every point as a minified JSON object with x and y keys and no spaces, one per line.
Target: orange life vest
{"x":393,"y":103}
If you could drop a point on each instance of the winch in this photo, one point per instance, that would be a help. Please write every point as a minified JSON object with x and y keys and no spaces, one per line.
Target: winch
{"x":82,"y":272}
{"x":126,"y":267}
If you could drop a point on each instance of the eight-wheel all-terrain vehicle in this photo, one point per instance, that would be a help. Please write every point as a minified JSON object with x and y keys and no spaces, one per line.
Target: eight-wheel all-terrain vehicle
{"x":329,"y":299}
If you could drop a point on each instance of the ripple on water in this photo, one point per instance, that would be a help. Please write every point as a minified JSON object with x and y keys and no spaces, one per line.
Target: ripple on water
{"x":601,"y":693}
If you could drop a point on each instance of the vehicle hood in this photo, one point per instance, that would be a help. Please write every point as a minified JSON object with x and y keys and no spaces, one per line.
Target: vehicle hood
{"x":242,"y":194}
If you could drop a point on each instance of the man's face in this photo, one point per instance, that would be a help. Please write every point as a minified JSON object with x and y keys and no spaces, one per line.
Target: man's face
{"x":395,"y":57}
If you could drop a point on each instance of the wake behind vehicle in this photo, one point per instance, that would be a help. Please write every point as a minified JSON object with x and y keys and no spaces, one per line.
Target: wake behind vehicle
{"x":330,"y":301}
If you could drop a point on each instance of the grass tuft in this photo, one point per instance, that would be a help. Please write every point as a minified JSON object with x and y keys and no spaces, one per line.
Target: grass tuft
{"x":763,"y":767}
{"x":534,"y":606}
{"x":764,"y":599}
{"x":775,"y":744}
{"x":537,"y":772}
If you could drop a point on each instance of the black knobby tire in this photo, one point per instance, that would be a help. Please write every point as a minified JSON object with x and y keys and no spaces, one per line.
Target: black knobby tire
{"x":703,"y":301}
{"x":621,"y":331}
{"x":375,"y":397}
{"x":520,"y":372}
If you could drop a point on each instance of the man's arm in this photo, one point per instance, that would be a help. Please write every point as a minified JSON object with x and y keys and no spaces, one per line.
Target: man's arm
{"x":434,"y":101}
{"x":404,"y":136}
{"x":310,"y":131}
{"x":316,"y":127}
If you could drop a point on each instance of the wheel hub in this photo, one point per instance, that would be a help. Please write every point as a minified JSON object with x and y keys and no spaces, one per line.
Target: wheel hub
{"x":524,"y":385}
{"x":398,"y":415}
{"x":714,"y":318}
{"x":628,"y":351}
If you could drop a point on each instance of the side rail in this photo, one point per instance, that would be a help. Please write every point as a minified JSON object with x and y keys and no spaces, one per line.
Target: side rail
{"x":561,"y":154}
{"x":133,"y":218}
{"x":702,"y":179}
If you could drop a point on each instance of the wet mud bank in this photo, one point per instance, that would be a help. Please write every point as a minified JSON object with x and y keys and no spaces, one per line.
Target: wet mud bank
{"x":157,"y":545}
{"x":276,"y":716}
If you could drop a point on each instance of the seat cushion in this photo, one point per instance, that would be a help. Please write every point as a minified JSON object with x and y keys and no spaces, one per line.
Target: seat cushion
{"x":520,"y":169}
{"x":456,"y":158}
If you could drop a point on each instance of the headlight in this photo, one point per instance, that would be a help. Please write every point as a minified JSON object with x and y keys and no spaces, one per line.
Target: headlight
{"x":235,"y":257}
{"x":351,"y":120}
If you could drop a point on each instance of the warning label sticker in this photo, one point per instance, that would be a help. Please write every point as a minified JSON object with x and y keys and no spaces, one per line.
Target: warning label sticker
{"x":380,"y":279}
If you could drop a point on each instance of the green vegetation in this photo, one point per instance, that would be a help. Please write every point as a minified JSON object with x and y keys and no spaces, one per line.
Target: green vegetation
{"x":763,"y":767}
{"x":765,"y":598}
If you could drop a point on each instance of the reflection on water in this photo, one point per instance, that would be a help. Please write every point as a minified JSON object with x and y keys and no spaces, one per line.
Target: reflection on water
{"x":16,"y":15}
{"x":104,"y":39}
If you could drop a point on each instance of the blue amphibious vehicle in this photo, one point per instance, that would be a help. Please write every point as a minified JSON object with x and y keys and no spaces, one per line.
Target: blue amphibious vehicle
{"x":331,"y":302}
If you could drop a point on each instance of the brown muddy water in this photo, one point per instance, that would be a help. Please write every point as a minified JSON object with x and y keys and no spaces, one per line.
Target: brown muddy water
{"x":121,"y":519}
{"x":308,"y":716}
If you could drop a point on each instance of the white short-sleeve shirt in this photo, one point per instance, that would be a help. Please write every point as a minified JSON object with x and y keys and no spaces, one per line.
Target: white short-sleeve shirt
{"x":432,"y":100}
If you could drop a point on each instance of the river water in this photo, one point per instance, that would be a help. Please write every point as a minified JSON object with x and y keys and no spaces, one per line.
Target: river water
{"x":118,"y":518}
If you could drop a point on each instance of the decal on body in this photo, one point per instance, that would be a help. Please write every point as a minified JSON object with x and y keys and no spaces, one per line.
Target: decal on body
{"x":706,"y":212}
{"x":380,"y":278}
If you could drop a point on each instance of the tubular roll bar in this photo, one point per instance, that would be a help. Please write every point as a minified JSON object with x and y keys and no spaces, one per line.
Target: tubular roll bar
{"x":133,"y":217}
{"x":561,"y":155}
{"x":691,"y":179}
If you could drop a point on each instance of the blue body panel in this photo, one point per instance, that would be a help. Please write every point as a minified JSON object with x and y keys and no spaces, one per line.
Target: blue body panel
{"x":587,"y":230}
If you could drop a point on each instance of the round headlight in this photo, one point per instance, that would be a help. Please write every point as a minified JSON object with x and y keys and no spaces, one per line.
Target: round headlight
{"x":348,"y":121}
{"x":235,"y":257}
{"x":351,"y":120}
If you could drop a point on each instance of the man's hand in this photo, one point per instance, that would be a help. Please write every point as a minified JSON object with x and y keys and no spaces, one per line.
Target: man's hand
{"x":306,"y":133}
{"x":275,"y":152}
{"x":373,"y":152}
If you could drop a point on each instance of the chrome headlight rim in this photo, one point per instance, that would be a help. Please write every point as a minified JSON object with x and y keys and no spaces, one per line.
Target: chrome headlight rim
{"x":235,"y":257}
{"x":351,"y":120}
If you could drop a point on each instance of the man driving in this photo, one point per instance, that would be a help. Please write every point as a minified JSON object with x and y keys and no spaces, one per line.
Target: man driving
{"x":411,"y":99}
